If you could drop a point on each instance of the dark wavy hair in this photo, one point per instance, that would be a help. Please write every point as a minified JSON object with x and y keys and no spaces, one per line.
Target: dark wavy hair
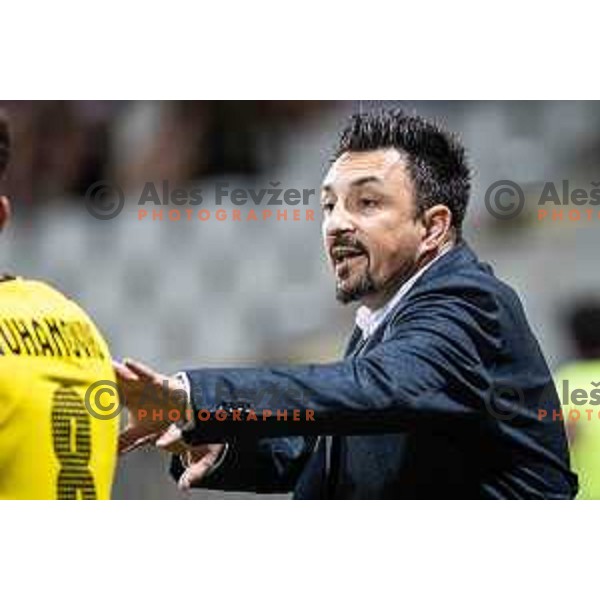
{"x":435,"y":158}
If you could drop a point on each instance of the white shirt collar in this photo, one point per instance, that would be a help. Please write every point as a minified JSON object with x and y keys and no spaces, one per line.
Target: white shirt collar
{"x":368,"y":320}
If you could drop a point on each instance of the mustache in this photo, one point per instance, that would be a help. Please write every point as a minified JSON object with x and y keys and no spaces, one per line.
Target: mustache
{"x":348,"y":243}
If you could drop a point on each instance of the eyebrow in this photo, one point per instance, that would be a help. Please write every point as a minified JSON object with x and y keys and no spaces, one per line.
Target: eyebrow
{"x":357,"y":182}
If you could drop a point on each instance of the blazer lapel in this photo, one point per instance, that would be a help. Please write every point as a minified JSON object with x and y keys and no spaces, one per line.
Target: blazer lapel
{"x":355,"y":343}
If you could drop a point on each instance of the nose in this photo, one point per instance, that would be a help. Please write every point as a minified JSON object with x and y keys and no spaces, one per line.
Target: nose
{"x":338,"y":221}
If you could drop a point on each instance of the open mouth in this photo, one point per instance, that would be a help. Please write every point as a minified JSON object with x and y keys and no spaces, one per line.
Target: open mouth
{"x":344,"y":257}
{"x":341,"y":253}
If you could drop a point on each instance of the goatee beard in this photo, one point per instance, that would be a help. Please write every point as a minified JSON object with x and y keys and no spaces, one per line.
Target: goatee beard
{"x":364,"y":287}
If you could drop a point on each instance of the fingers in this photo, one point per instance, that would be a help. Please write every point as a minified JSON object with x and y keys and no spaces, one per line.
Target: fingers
{"x":136,"y":437}
{"x":142,"y":371}
{"x":198,"y":459}
{"x":123,"y":372}
{"x":195,"y":472}
{"x":172,"y":441}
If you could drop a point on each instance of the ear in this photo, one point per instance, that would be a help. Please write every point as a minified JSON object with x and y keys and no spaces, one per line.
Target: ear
{"x":438,"y":223}
{"x":5,"y":212}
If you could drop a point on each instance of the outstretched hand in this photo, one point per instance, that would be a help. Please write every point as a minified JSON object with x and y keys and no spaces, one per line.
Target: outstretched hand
{"x":149,"y":397}
{"x":197,"y":460}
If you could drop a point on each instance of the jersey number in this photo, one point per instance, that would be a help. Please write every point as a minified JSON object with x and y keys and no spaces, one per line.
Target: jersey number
{"x":71,"y":436}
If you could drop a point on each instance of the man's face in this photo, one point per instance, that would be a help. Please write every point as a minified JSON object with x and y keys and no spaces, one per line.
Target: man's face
{"x":369,"y":229}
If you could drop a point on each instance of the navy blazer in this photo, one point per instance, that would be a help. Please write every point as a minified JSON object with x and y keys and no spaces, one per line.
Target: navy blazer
{"x":441,"y":401}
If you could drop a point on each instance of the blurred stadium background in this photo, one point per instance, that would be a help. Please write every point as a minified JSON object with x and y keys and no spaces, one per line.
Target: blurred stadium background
{"x":182,"y":294}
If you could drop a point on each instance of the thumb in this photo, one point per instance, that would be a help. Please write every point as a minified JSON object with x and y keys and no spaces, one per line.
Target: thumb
{"x":196,"y":471}
{"x":135,"y":437}
{"x":171,"y":440}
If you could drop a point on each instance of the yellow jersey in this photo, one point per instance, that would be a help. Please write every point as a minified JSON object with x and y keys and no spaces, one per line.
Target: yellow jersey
{"x":54,"y":443}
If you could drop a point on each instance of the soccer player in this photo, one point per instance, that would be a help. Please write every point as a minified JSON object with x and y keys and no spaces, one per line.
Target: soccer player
{"x":51,"y":357}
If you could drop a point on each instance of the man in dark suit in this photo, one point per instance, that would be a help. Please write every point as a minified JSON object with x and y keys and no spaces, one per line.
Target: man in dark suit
{"x":442,"y":387}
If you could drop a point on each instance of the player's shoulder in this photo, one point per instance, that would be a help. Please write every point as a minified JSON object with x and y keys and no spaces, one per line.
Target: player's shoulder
{"x":22,"y":286}
{"x":40,"y":304}
{"x":30,"y":292}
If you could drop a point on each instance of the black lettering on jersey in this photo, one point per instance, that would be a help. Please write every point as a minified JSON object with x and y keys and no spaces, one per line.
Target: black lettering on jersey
{"x":72,"y":440}
{"x":79,"y":334}
{"x":12,"y":344}
{"x":27,"y":338}
{"x":42,"y":338}
{"x":57,"y":337}
{"x":49,"y":337}
{"x":71,"y":340}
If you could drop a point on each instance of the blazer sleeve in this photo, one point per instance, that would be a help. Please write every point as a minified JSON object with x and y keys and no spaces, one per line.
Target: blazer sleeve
{"x":432,"y":364}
